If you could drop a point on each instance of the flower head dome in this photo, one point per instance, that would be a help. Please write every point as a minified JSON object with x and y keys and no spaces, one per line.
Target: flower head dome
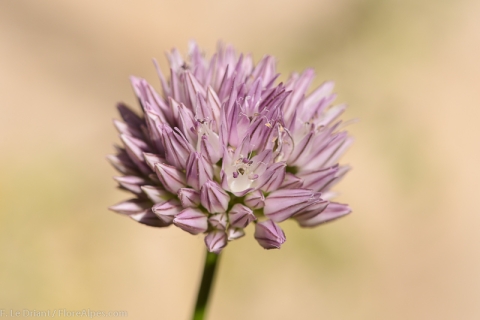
{"x":226,"y":145}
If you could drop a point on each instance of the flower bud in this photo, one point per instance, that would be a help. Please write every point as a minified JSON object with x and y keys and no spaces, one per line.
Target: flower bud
{"x":213,"y":197}
{"x":255,"y":199}
{"x":167,"y":208}
{"x":199,"y":171}
{"x":189,"y":197}
{"x":240,"y":216}
{"x":269,"y":235}
{"x":177,"y":148}
{"x":191,"y":220}
{"x":218,"y":221}
{"x":216,"y":241}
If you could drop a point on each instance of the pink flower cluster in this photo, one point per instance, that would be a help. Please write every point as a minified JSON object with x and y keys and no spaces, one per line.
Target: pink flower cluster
{"x":225,"y":145}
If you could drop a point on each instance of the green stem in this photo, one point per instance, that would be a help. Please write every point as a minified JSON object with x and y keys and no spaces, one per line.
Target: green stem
{"x":211,"y":261}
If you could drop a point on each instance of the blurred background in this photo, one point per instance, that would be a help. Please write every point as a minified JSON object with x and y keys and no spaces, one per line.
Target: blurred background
{"x":408,"y":69}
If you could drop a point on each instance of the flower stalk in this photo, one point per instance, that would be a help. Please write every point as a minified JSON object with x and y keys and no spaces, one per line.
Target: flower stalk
{"x":211,"y":261}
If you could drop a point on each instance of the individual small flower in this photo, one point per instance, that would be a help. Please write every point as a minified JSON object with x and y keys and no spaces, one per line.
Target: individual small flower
{"x":224,"y":145}
{"x":218,"y":221}
{"x":216,"y":241}
{"x":240,"y":216}
{"x":199,"y":171}
{"x":189,"y":197}
{"x":255,"y":199}
{"x":191,"y":220}
{"x":168,"y":208}
{"x":213,"y":197}
{"x":269,"y":235}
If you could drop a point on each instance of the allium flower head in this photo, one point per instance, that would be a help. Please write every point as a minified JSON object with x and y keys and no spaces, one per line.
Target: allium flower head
{"x":226,"y":145}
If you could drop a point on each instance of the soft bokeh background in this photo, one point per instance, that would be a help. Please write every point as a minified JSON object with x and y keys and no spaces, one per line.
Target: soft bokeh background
{"x":409,"y":71}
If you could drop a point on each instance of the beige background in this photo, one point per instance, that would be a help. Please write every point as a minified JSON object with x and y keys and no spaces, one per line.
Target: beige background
{"x":408,"y":69}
